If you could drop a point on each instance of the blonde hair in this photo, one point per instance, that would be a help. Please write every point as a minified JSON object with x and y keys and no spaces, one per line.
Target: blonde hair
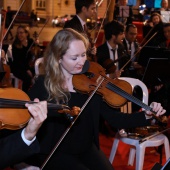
{"x":54,"y":78}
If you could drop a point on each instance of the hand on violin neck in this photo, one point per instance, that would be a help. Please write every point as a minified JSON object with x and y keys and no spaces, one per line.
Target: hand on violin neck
{"x":157,"y":108}
{"x":38,"y":112}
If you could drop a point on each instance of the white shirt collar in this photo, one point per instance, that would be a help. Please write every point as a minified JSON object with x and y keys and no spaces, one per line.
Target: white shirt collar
{"x":109,"y":46}
{"x":81,"y":21}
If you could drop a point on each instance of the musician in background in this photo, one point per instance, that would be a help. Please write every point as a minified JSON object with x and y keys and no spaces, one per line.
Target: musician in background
{"x":166,"y":31}
{"x":132,"y":46}
{"x":124,"y":20}
{"x":85,"y":9}
{"x":154,"y":25}
{"x":113,"y":48}
{"x":21,"y":58}
{"x":164,"y":5}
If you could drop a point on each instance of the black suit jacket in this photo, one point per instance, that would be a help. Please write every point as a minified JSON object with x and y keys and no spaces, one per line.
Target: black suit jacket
{"x":13,"y":150}
{"x":103,"y":54}
{"x":136,"y":48}
{"x":75,"y":24}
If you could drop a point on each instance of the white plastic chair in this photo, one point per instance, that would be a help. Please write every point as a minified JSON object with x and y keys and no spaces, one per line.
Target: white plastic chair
{"x":37,"y":64}
{"x":139,"y":148}
{"x":17,"y":81}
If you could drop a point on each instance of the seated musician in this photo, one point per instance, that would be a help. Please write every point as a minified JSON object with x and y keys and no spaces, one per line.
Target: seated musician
{"x":164,"y":5}
{"x":152,"y":26}
{"x":113,"y":48}
{"x":22,"y":58}
{"x":132,"y":46}
{"x":166,"y":31}
{"x":85,"y":9}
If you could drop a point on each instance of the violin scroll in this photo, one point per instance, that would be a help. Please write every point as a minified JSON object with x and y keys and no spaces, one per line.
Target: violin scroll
{"x":70,"y":113}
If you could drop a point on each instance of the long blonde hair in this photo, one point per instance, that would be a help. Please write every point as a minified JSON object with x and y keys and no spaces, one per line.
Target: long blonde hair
{"x":54,"y":78}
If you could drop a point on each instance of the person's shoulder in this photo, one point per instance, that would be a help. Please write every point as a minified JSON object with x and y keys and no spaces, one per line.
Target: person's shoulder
{"x":71,"y":22}
{"x":102,"y":46}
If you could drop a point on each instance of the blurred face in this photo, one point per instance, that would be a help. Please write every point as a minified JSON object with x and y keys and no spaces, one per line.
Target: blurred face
{"x":118,"y":39}
{"x":90,"y":12}
{"x":167,"y":32}
{"x":74,"y":59}
{"x":131,"y":34}
{"x":164,"y":4}
{"x":155,"y":20}
{"x":21,"y":34}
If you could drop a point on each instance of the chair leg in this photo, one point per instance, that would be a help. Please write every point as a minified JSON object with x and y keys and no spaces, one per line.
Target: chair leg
{"x":166,"y":146}
{"x":131,"y":156}
{"x":113,"y":150}
{"x":140,"y":152}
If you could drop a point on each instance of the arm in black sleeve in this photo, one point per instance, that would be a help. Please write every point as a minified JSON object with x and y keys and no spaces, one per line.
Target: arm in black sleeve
{"x":13,"y":149}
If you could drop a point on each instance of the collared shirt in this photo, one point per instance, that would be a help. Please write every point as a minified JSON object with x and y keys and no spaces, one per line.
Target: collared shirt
{"x":111,"y":53}
{"x":81,"y":21}
{"x":132,"y":47}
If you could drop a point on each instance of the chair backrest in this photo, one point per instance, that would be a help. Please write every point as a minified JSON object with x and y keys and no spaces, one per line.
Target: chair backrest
{"x":135,"y":82}
{"x":38,"y":66}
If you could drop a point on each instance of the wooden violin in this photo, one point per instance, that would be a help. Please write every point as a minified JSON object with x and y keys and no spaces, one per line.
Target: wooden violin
{"x":13,"y":113}
{"x":115,"y":92}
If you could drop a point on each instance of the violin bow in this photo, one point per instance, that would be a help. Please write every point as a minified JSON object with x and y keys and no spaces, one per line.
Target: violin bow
{"x":147,"y":35}
{"x":138,"y":51}
{"x":72,"y":123}
{"x":95,"y":40}
{"x":2,"y":26}
{"x":13,"y":19}
{"x":38,"y":34}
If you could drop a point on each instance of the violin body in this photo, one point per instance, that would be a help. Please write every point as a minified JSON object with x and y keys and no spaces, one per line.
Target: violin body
{"x":91,"y":79}
{"x":6,"y":81}
{"x":13,"y":118}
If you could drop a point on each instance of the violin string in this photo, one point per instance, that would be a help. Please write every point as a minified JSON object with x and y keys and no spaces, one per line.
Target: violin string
{"x":21,"y":103}
{"x":126,"y":95}
{"x":131,"y":98}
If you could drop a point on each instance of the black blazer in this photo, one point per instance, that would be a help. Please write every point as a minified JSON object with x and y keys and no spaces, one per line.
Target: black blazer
{"x":13,"y":150}
{"x":136,"y":48}
{"x":75,"y":24}
{"x":103,"y":54}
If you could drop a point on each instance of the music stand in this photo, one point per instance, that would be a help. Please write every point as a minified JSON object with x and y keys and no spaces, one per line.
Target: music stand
{"x":123,"y":12}
{"x":148,"y":52}
{"x":165,"y":15}
{"x":157,"y":71}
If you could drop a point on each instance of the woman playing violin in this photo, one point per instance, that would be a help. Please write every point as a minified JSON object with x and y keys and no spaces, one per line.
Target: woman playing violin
{"x":21,"y":57}
{"x":22,"y":144}
{"x":65,"y":57}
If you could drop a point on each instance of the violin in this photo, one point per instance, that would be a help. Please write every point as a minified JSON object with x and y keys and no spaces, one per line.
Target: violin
{"x":35,"y":51}
{"x":13,"y":113}
{"x":115,"y":92}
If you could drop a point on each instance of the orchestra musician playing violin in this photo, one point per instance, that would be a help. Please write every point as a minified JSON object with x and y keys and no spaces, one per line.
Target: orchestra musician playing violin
{"x":85,"y":9}
{"x":132,"y":46}
{"x":23,"y":143}
{"x":113,"y":48}
{"x":22,"y":57}
{"x":65,"y":58}
{"x":152,"y":26}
